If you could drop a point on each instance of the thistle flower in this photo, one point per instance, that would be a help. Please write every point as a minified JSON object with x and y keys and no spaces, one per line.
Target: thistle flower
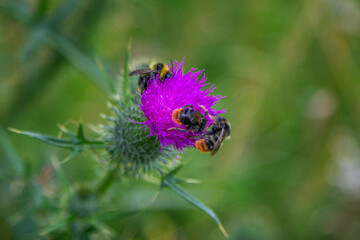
{"x":140,"y":138}
{"x":161,"y":98}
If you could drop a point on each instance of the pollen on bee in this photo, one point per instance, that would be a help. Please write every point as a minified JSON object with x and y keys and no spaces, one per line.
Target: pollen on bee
{"x":164,"y":70}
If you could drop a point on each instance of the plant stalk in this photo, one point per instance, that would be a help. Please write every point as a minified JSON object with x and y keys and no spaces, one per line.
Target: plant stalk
{"x":107,"y":180}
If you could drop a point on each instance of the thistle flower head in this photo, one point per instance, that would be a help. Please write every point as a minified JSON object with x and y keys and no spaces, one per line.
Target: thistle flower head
{"x":143,"y":133}
{"x":161,"y":98}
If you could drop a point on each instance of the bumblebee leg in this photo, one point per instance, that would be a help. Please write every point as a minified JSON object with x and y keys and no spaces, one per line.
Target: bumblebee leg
{"x":207,"y":113}
{"x":188,"y":105}
{"x":180,"y":129}
{"x":198,"y":137}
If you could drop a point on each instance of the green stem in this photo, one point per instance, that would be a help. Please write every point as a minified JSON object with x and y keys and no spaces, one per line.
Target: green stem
{"x":126,"y":90}
{"x":107,"y":180}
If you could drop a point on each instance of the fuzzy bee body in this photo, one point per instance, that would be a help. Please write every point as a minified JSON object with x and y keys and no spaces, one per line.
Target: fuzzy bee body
{"x":213,"y":139}
{"x":207,"y":144}
{"x":192,"y":119}
{"x":150,"y":73}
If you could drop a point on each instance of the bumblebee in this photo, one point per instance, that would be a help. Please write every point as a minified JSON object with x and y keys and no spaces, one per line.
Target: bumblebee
{"x":151,"y":72}
{"x":213,"y":139}
{"x":190,"y":118}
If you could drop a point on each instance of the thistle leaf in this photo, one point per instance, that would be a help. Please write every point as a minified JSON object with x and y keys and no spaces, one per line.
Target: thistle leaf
{"x":173,"y":172}
{"x":40,"y":34}
{"x":80,"y":133}
{"x":37,"y":38}
{"x":186,"y":180}
{"x":78,"y":143}
{"x":106,"y":75}
{"x":18,"y":10}
{"x":14,"y":159}
{"x":60,"y":224}
{"x":157,"y":181}
{"x":86,"y":64}
{"x":170,"y":182}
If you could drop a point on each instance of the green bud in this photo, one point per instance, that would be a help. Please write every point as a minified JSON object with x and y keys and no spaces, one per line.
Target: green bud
{"x":130,"y":144}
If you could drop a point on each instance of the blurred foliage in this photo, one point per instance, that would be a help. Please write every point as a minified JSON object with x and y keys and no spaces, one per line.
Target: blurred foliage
{"x":289,"y":69}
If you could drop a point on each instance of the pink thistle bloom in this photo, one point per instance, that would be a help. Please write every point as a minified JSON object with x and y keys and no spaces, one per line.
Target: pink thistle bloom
{"x":161,"y":98}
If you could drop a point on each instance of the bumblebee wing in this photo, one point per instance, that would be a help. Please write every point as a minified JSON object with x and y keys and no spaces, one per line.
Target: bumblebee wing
{"x":218,"y":142}
{"x":141,"y":71}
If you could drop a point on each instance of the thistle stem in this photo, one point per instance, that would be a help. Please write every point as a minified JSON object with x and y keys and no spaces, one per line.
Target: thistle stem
{"x":107,"y":180}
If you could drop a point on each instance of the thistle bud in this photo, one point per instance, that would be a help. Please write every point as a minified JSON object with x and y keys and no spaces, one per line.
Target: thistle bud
{"x":130,"y":144}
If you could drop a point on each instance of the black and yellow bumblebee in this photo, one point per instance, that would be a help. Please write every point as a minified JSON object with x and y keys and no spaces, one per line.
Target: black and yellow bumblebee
{"x":212,"y":140}
{"x":192,"y":119}
{"x":151,"y":72}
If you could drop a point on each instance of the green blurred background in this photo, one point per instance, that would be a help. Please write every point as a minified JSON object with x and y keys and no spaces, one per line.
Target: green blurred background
{"x":290,"y":74}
